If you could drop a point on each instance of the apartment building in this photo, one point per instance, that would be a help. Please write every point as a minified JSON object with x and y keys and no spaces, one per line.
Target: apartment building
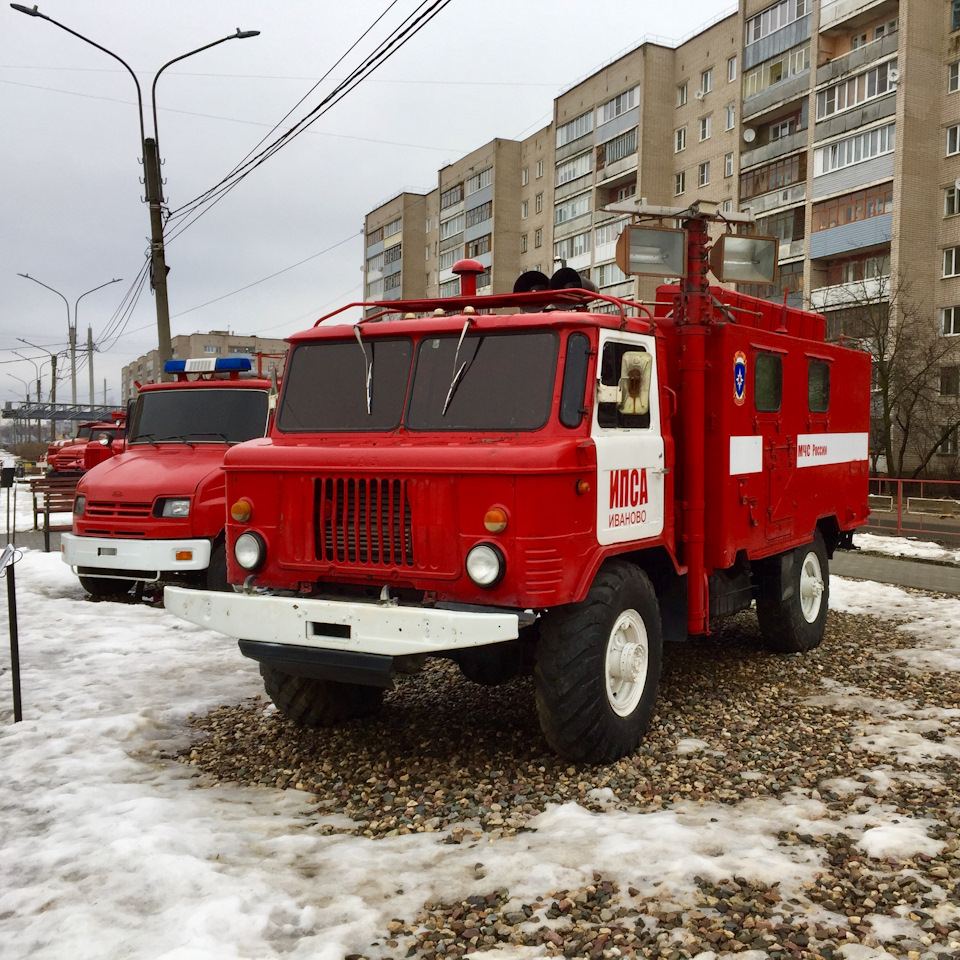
{"x":265,"y":354}
{"x":836,"y":123}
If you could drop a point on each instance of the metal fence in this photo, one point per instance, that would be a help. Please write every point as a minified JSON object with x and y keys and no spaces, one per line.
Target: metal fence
{"x":915,"y":507}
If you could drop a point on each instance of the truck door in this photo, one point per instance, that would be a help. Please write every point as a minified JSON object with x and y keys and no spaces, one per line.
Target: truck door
{"x":626,"y":432}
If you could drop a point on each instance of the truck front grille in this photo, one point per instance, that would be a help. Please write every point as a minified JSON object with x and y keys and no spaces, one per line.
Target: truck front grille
{"x":117,"y":510}
{"x":363,"y":521}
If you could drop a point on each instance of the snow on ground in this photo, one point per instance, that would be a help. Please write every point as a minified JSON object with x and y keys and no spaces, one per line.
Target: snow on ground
{"x":110,"y":851}
{"x":906,"y":547}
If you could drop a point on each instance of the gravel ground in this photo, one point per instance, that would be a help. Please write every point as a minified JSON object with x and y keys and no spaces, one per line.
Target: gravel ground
{"x":732,"y":722}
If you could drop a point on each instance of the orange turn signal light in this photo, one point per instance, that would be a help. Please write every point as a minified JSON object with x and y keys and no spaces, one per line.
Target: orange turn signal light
{"x":495,"y":520}
{"x":184,"y":555}
{"x":583,"y":487}
{"x":241,"y":511}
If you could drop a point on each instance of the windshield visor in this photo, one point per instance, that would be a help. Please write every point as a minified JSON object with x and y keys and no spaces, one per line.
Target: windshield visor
{"x":216,"y":415}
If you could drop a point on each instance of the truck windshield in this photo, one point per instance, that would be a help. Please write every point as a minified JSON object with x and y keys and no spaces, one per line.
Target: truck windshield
{"x":494,"y":382}
{"x":327,"y":385}
{"x":196,"y":415}
{"x":489,"y":382}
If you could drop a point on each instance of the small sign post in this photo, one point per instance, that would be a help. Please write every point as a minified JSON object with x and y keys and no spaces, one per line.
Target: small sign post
{"x":6,"y":566}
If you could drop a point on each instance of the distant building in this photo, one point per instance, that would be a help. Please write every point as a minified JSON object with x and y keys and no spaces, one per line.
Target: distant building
{"x":265,"y":353}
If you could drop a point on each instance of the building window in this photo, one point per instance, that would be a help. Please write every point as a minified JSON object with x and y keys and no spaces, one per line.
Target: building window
{"x":727,"y":206}
{"x":539,"y":169}
{"x":478,"y":247}
{"x":730,"y":116}
{"x":427,"y":256}
{"x":703,"y":174}
{"x":484,"y":279}
{"x":950,"y":321}
{"x":853,"y":207}
{"x":856,"y":149}
{"x":575,"y":129}
{"x":859,"y":89}
{"x":858,"y":40}
{"x":706,"y":81}
{"x":572,"y":208}
{"x":524,"y":176}
{"x":679,"y":139}
{"x":728,"y":165}
{"x":479,"y":214}
{"x":949,"y":381}
{"x":449,"y":257}
{"x":394,"y":226}
{"x":375,"y":264}
{"x":955,"y":15}
{"x":783,"y":128}
{"x":523,"y":243}
{"x":789,"y":64}
{"x":786,"y":226}
{"x":449,"y":197}
{"x":392,"y":282}
{"x":538,"y":203}
{"x":951,"y":201}
{"x":375,"y":236}
{"x":607,"y":274}
{"x":704,"y":128}
{"x":774,"y":18}
{"x":451,"y":227}
{"x":450,"y":288}
{"x":948,"y":446}
{"x":575,"y":246}
{"x":679,"y":183}
{"x":538,"y":238}
{"x":953,"y":140}
{"x":618,"y":105}
{"x":624,"y":192}
{"x":477,"y":182}
{"x":731,"y":69}
{"x":209,"y":348}
{"x":951,"y":262}
{"x":953,"y":77}
{"x":773,"y":176}
{"x":524,"y":210}
{"x":681,"y":95}
{"x":393,"y":254}
{"x":619,"y":147}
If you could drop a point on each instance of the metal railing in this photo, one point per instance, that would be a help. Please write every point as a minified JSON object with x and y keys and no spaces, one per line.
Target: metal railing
{"x":927,"y":507}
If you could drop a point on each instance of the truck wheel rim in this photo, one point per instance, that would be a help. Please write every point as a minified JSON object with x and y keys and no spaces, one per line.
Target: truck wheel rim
{"x":811,"y":587}
{"x":625,"y":663}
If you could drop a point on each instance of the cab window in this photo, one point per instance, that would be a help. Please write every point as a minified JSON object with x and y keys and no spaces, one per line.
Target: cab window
{"x":629,"y":367}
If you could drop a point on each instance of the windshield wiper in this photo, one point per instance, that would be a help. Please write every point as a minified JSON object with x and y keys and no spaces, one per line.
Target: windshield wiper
{"x":368,"y":363}
{"x":144,"y":436}
{"x":177,"y":436}
{"x":458,"y":372}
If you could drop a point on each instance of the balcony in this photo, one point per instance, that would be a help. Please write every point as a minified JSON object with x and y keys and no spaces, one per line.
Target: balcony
{"x":784,"y":197}
{"x":856,"y":293}
{"x":776,"y":95}
{"x":836,"y":15}
{"x":855,"y":59}
{"x":860,"y":235}
{"x":773,"y":149}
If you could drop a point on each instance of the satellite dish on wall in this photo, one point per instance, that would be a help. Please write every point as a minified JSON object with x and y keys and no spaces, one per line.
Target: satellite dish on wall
{"x":749,"y":134}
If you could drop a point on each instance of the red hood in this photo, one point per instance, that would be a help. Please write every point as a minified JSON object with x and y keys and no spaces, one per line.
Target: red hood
{"x":145,"y":472}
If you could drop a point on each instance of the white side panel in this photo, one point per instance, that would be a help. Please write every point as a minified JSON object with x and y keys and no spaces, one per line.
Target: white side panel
{"x":746,"y":455}
{"x":822,"y":449}
{"x":630,"y":467}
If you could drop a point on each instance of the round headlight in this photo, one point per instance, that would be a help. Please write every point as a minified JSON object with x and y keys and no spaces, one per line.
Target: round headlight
{"x":485,"y":565}
{"x":250,"y":551}
{"x":79,"y":505}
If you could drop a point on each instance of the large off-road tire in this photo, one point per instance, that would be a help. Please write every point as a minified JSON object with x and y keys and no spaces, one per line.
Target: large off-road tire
{"x":795,"y":624}
{"x":105,"y":587}
{"x":598,"y":667}
{"x":318,"y":703}
{"x":215,"y":577}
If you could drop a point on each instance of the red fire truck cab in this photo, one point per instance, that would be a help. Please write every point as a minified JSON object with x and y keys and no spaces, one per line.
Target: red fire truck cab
{"x":559,"y":488}
{"x":155,"y":511}
{"x":69,"y":456}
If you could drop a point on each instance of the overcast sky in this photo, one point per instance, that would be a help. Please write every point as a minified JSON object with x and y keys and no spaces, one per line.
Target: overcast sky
{"x":283,"y":247}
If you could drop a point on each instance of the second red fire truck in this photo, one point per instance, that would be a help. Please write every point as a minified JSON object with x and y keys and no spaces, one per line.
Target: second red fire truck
{"x":560,"y":488}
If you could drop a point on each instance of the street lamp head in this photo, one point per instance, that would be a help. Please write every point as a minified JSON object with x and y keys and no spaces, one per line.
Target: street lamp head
{"x":29,"y":11}
{"x":241,"y":34}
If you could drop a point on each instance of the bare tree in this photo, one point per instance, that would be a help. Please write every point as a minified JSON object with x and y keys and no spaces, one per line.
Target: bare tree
{"x":915,"y":400}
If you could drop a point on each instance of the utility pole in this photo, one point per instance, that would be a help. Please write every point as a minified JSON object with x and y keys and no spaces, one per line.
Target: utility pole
{"x":158,"y":264}
{"x":90,"y":359}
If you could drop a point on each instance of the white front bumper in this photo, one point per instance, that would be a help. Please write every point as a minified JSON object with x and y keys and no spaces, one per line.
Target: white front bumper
{"x":340,"y":625}
{"x":150,"y":556}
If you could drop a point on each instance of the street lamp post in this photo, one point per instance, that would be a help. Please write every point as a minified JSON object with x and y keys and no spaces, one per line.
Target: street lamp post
{"x":53,"y":384}
{"x":36,"y":370}
{"x":71,"y":327}
{"x":153,"y":188}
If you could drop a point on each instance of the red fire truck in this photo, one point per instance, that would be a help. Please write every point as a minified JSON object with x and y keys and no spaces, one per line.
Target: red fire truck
{"x":69,"y":456}
{"x":558,"y":489}
{"x":155,"y":512}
